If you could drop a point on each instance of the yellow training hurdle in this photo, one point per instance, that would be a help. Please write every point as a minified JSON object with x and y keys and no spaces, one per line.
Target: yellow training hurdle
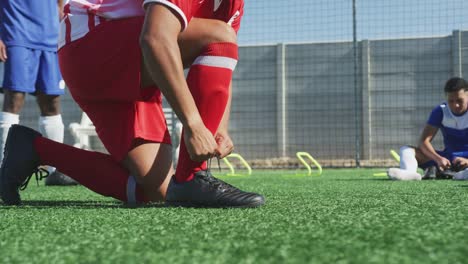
{"x":300,"y":155}
{"x":231,"y":168}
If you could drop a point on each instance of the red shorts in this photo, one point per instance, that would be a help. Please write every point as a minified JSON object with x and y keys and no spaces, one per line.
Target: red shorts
{"x":102,"y":72}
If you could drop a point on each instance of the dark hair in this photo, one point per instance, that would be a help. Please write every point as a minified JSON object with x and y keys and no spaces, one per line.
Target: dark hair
{"x":455,"y":84}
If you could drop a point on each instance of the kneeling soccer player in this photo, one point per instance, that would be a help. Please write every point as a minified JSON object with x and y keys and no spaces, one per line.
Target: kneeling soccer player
{"x":111,"y":55}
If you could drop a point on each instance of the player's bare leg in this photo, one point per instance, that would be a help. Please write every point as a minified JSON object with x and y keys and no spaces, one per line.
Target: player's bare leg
{"x":199,"y":34}
{"x":151,"y":164}
{"x":49,"y":105}
{"x":13,"y":101}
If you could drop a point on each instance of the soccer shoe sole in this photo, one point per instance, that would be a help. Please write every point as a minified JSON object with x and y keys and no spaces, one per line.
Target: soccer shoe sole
{"x":8,"y":197}
{"x":253,"y":204}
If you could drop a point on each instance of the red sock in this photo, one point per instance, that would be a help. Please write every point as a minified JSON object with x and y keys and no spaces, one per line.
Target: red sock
{"x":96,"y":171}
{"x":208,"y":80}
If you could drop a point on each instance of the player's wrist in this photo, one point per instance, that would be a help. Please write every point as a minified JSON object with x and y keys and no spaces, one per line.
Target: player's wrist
{"x":193,"y":123}
{"x":222,"y":130}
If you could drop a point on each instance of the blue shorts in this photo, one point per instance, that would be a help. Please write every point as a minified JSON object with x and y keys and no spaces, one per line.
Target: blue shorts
{"x":448,"y":154}
{"x":31,"y":71}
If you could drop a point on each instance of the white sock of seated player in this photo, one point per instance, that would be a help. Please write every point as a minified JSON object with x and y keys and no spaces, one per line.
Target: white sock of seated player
{"x":398,"y":174}
{"x":408,"y":159}
{"x":408,"y":166}
{"x":6,"y":121}
{"x":461,"y":175}
{"x":52,"y":128}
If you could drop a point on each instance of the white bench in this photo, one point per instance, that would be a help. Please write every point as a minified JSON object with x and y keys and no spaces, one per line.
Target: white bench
{"x":83,"y":130}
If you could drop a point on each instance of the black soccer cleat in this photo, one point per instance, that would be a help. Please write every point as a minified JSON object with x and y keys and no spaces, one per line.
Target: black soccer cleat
{"x":430,"y":173}
{"x":446,"y":174}
{"x":20,"y":162}
{"x":449,"y":173}
{"x":57,"y":178}
{"x":204,"y":190}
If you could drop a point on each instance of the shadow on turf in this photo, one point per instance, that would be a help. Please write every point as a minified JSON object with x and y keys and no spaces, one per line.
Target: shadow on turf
{"x":41,"y":204}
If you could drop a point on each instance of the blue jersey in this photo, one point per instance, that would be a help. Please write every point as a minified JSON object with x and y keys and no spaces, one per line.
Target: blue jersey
{"x":454,"y":128}
{"x":29,"y":23}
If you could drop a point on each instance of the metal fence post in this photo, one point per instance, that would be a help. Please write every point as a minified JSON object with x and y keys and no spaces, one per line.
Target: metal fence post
{"x":281,"y":98}
{"x":457,"y":53}
{"x":357,"y":100}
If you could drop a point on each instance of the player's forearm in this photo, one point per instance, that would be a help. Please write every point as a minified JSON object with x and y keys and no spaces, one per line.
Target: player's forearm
{"x":165,"y":69}
{"x":428,"y":150}
{"x":163,"y":60}
{"x":425,"y":145}
{"x":60,"y":8}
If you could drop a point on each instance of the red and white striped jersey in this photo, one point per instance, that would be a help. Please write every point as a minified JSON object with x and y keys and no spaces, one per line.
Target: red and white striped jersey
{"x":83,"y":15}
{"x":110,"y":9}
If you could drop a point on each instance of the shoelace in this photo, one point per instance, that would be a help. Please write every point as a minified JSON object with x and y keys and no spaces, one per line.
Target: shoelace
{"x":208,"y":170}
{"x":217,"y":183}
{"x":39,"y":173}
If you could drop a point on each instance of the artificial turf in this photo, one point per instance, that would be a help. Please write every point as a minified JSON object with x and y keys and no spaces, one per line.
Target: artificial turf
{"x":343,"y":216}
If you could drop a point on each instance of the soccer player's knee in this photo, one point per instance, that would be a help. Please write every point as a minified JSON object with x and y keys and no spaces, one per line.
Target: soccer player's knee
{"x":231,"y":35}
{"x":224,"y":33}
{"x":13,"y":101}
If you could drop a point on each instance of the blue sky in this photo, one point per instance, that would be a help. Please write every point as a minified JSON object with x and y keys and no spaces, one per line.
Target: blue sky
{"x":273,"y":21}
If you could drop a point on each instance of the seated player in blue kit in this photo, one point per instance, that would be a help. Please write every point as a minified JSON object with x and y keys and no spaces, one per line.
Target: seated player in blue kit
{"x":451,"y":118}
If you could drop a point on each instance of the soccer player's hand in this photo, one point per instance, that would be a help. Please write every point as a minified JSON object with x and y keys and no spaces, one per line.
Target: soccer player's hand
{"x":225,"y":144}
{"x":3,"y":53}
{"x":200,"y":143}
{"x":443,"y":163}
{"x":462,"y":163}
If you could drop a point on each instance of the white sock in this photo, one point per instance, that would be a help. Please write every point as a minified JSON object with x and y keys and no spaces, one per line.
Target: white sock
{"x":408,"y":159}
{"x":408,"y":166}
{"x":52,"y":127}
{"x":461,"y":175}
{"x":6,"y":121}
{"x":398,"y":174}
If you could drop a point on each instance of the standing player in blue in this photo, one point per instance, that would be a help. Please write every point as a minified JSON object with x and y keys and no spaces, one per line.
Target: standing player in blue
{"x":28,"y":47}
{"x":451,"y":118}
